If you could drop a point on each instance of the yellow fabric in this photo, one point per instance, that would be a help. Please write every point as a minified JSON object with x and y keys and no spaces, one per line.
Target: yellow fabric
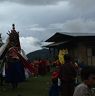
{"x":61,"y":55}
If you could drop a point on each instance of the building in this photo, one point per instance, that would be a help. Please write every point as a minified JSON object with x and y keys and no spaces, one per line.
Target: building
{"x":80,"y":45}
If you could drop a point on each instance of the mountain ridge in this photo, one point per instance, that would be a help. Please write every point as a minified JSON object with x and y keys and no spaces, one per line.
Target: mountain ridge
{"x":40,"y":54}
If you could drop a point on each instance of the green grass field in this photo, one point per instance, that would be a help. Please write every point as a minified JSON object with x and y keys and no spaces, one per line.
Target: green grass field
{"x":32,"y":87}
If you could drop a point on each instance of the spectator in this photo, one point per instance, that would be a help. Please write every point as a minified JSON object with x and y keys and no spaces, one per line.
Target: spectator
{"x":68,"y":74}
{"x":88,"y":80}
{"x":54,"y":89}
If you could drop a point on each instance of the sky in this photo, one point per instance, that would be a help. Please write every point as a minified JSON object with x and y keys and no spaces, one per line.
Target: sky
{"x":37,"y":20}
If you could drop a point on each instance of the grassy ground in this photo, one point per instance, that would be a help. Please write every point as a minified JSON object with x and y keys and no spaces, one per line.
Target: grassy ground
{"x":32,"y":87}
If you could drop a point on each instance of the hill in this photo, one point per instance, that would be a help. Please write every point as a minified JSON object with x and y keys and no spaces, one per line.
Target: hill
{"x":40,"y":54}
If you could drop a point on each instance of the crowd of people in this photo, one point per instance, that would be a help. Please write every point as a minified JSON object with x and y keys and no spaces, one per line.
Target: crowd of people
{"x":68,"y":79}
{"x":65,"y":79}
{"x":40,"y":67}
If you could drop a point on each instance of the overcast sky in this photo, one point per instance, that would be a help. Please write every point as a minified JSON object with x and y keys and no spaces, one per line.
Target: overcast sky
{"x":37,"y":20}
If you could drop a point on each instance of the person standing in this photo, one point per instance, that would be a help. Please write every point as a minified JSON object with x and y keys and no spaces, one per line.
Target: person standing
{"x":68,"y":74}
{"x":55,"y":86}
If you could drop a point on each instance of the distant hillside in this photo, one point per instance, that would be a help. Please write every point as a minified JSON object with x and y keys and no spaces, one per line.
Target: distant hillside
{"x":40,"y":54}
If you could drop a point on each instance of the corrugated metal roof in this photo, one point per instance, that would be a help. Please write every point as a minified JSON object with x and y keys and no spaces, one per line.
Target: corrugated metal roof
{"x":77,"y":33}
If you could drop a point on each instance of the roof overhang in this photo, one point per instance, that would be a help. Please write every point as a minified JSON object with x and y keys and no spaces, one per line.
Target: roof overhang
{"x":58,"y":37}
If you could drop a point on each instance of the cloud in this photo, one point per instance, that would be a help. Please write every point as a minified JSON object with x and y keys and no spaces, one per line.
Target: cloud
{"x":82,"y":6}
{"x":41,"y":22}
{"x":34,"y":2}
{"x":79,"y":25}
{"x":30,"y":44}
{"x":75,"y":25}
{"x":82,"y":3}
{"x":36,"y":27}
